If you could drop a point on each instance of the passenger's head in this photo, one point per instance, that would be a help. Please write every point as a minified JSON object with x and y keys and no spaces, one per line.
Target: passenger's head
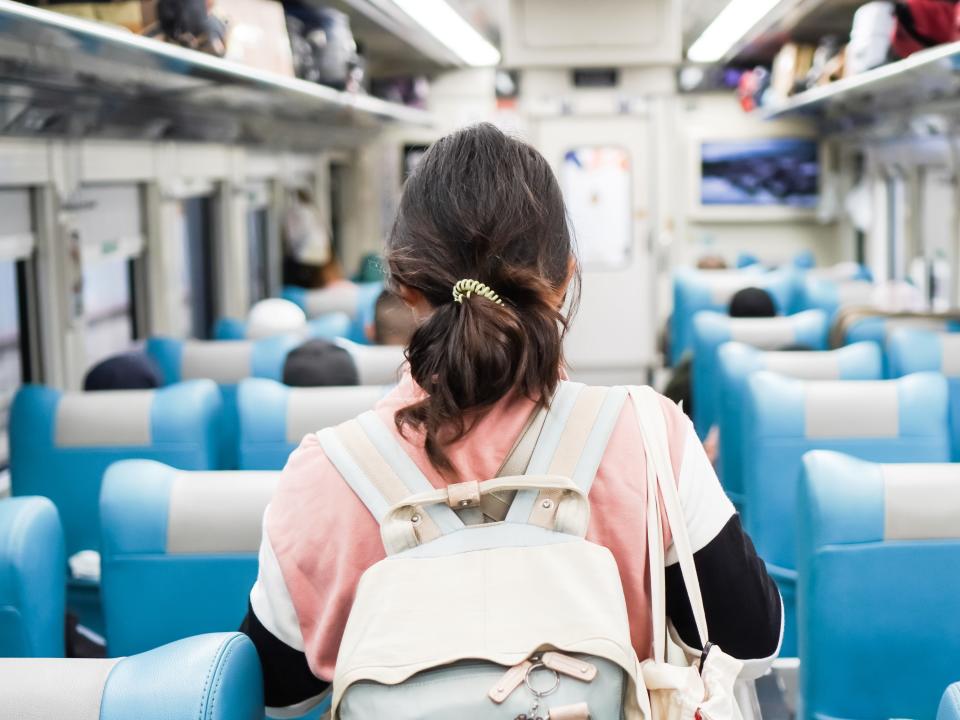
{"x":274,"y":316}
{"x":393,"y":321}
{"x":129,"y":371}
{"x":480,"y":206}
{"x":752,"y":302}
{"x":319,"y":363}
{"x":712,"y":262}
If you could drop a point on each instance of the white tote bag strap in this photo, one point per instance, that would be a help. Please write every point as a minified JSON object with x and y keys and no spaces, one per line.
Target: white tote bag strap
{"x":662,"y":493}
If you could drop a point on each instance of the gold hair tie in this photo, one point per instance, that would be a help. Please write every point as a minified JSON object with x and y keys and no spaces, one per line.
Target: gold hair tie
{"x":467,"y":288}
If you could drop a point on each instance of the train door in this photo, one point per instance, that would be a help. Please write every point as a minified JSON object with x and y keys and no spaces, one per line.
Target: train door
{"x":602,"y":164}
{"x":260,"y":235}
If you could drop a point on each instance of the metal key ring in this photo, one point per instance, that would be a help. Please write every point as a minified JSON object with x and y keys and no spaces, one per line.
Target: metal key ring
{"x":539,"y":693}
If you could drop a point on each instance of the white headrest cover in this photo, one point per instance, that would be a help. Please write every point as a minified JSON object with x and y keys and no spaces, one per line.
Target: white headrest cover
{"x":921,"y":502}
{"x":377,"y":364}
{"x":764,"y":333}
{"x":104,"y":418}
{"x":860,"y":409}
{"x":950,"y":347}
{"x":804,"y":365}
{"x":46,"y":688}
{"x":225,"y":361}
{"x":218,"y":512}
{"x":312,"y":409}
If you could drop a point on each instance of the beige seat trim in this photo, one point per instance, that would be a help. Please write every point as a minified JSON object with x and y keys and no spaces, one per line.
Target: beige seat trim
{"x":26,"y":692}
{"x":921,"y":502}
{"x":108,"y":418}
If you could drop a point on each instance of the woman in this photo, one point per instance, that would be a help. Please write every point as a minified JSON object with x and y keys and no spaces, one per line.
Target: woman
{"x":485,"y":207}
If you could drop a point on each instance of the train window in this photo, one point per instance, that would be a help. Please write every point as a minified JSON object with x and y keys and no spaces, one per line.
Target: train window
{"x":198,"y":271}
{"x":596,"y":186}
{"x":258,"y":239}
{"x":108,"y":310}
{"x":339,"y":174}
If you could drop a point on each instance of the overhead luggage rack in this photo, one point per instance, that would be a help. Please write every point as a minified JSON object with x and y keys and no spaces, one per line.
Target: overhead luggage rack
{"x":65,"y":76}
{"x":925,"y":78}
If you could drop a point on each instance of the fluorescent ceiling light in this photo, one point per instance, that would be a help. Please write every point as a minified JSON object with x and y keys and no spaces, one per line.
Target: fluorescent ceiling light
{"x":446,"y":25}
{"x":733,"y":22}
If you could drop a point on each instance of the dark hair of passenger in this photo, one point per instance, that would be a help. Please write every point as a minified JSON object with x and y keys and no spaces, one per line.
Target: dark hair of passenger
{"x":393,"y":322}
{"x":481,"y":206}
{"x":127,"y":371}
{"x":752,"y":302}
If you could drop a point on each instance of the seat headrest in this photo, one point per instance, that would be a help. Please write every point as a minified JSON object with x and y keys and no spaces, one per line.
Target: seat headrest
{"x":149,"y":507}
{"x":913,"y":350}
{"x":807,"y":328}
{"x":217,"y":674}
{"x":113,"y":418}
{"x":854,"y":501}
{"x":915,"y":405}
{"x":861,"y":360}
{"x":226,"y":362}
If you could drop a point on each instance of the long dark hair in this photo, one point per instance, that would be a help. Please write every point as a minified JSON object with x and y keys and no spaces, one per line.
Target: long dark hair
{"x":487,"y":207}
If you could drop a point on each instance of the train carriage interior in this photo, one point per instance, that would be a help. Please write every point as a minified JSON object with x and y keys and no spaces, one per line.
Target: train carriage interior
{"x":198,"y":206}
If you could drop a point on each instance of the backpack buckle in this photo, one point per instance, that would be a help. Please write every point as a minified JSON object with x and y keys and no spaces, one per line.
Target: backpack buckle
{"x":463,"y":495}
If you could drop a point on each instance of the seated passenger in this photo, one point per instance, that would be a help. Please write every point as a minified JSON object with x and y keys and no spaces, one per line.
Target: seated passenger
{"x":274,"y":316}
{"x":320,"y":363}
{"x":482,"y":254}
{"x":393,"y":322}
{"x":127,"y":371}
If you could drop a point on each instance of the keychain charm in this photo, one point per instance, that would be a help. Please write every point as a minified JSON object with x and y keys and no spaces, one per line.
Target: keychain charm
{"x":538,"y":695}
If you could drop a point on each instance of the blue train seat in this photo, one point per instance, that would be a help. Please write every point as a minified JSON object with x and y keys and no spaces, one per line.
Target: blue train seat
{"x":324,"y":327}
{"x":737,"y":361}
{"x":226,"y":362}
{"x":179,"y":551}
{"x":211,"y":677}
{"x":61,"y":443}
{"x":950,"y":704}
{"x":696,"y":290}
{"x":878,"y":547}
{"x":817,"y":292}
{"x":711,"y":330}
{"x":357,"y":300}
{"x":32,"y":583}
{"x":901,"y":420}
{"x":274,"y":418}
{"x":910,"y":351}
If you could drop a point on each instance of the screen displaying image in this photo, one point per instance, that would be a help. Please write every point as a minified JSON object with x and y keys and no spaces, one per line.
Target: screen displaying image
{"x":777,"y":172}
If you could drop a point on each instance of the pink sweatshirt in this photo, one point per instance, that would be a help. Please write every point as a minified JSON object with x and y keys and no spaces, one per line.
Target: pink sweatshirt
{"x":322,"y":538}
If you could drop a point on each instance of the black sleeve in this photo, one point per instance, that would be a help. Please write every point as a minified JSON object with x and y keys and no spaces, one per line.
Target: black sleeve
{"x":740,"y":599}
{"x":287,"y":679}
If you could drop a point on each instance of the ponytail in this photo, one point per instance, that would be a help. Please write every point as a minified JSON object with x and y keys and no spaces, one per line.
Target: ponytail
{"x":483,"y":206}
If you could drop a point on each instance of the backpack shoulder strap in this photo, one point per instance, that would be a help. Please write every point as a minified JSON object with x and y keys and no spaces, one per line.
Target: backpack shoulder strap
{"x":575,"y":434}
{"x":375,"y":466}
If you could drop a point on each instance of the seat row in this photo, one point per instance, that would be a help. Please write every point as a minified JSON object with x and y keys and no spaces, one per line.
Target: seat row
{"x":876,"y":545}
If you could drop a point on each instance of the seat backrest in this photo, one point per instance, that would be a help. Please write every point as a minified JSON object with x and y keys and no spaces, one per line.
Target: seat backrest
{"x":878,"y":549}
{"x":737,"y":361}
{"x":32,"y":583}
{"x":880,"y":420}
{"x":226,"y":362}
{"x":910,"y":351}
{"x":213,"y":677}
{"x":274,"y":418}
{"x":950,"y":703}
{"x":325,"y":327}
{"x":696,"y":290}
{"x":711,"y":330}
{"x":61,"y":443}
{"x":179,"y":551}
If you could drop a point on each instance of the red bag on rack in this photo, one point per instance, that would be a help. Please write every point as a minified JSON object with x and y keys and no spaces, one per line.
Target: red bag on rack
{"x":923,"y":24}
